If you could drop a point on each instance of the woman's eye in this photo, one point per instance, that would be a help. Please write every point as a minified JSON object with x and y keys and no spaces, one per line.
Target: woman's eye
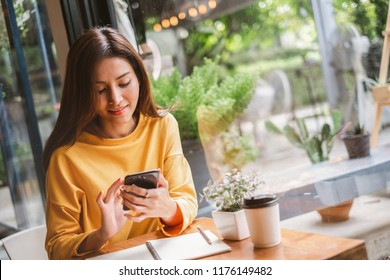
{"x":101,"y":91}
{"x":124,"y":84}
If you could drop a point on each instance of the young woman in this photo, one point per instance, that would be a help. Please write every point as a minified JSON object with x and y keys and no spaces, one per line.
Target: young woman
{"x":109,"y":127}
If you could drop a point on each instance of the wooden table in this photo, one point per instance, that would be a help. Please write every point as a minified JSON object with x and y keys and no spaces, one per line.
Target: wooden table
{"x":295,"y":245}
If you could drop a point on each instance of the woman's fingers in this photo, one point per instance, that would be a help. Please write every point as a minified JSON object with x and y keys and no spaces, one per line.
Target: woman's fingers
{"x":113,"y":189}
{"x":162,"y":182}
{"x":99,"y":200}
{"x":136,"y":191}
{"x":137,"y":218}
{"x":133,"y":201}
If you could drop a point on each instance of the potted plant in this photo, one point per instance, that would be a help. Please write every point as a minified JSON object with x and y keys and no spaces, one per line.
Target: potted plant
{"x":317,"y":146}
{"x":228,"y":196}
{"x":357,"y":141}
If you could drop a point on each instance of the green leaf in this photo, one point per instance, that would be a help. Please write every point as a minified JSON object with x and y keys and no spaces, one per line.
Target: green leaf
{"x":314,"y":150}
{"x":271,"y":127}
{"x":325,"y":132}
{"x":302,"y":129}
{"x":292,"y":135}
{"x":337,"y":120}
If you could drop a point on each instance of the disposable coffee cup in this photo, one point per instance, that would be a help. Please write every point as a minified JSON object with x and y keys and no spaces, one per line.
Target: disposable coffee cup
{"x":262,"y":214}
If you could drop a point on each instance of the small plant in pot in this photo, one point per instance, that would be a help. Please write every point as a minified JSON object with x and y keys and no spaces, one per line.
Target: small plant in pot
{"x":228,"y":196}
{"x":357,"y":141}
{"x":317,"y":145}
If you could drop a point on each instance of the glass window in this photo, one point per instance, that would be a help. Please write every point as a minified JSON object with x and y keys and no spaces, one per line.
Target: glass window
{"x":205,"y":42}
{"x":22,"y":196}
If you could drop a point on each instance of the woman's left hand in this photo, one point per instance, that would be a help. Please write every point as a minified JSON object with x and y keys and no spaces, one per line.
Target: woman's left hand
{"x":149,"y":203}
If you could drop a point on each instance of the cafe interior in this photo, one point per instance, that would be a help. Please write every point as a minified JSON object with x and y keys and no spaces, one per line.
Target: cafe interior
{"x":304,"y":70}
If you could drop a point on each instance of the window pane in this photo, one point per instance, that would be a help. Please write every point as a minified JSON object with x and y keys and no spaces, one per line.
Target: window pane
{"x":22,"y":204}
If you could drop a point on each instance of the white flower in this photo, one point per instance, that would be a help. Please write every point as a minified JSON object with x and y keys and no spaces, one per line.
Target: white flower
{"x":229,"y":194}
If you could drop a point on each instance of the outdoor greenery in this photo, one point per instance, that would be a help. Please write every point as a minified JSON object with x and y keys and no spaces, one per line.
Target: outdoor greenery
{"x":231,"y":191}
{"x":186,"y":93}
{"x":207,"y":103}
{"x":369,"y":16}
{"x":318,"y":145}
{"x":240,"y":47}
{"x":252,"y":40}
{"x":22,"y":16}
{"x":225,"y":102}
{"x":204,"y":95}
{"x":247,"y":33}
{"x":238,"y":148}
{"x":259,"y":27}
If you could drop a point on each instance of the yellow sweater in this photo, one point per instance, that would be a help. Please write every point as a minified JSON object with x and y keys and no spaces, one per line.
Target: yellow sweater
{"x":77,"y":173}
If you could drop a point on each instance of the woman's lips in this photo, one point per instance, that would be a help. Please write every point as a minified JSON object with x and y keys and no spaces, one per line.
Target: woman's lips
{"x":117,"y":111}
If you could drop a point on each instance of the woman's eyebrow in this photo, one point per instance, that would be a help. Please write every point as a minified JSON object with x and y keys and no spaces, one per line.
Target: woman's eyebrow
{"x":118,"y":78}
{"x":121,"y":76}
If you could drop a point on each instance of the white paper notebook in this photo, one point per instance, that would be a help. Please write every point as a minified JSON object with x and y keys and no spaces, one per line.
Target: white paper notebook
{"x":182,"y":247}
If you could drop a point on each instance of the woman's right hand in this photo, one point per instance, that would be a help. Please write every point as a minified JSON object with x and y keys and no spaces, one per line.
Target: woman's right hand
{"x":112,"y":218}
{"x":112,"y":213}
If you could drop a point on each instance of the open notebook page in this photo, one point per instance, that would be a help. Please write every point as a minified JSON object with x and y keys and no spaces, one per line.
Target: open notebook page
{"x":187,"y":246}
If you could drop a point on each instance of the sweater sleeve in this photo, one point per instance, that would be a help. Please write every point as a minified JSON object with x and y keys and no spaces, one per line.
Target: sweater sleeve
{"x":63,"y":212}
{"x":178,"y":173}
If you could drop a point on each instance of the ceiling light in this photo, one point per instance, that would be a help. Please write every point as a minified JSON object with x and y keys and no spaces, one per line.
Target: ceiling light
{"x":157,"y":27}
{"x":212,"y":4}
{"x":174,"y":21}
{"x":193,"y":12}
{"x":165,"y":23}
{"x":181,"y":15}
{"x":202,"y":9}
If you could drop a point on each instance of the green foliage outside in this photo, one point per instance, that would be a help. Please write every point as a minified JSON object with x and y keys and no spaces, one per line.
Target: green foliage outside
{"x":22,"y":16}
{"x":204,"y":95}
{"x":254,"y":29}
{"x":249,"y":40}
{"x":186,"y":94}
{"x":317,"y":146}
{"x":238,"y":148}
{"x":226,"y":101}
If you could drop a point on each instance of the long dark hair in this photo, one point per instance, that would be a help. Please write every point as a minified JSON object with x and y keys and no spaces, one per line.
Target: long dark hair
{"x":79,"y":101}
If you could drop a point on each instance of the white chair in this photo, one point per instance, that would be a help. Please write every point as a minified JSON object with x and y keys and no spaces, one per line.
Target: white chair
{"x":28,"y":244}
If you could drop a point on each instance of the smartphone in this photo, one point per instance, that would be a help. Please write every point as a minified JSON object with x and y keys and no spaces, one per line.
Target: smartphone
{"x":146,"y":179}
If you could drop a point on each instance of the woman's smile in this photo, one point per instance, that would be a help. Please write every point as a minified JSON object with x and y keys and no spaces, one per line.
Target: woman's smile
{"x":118,"y":111}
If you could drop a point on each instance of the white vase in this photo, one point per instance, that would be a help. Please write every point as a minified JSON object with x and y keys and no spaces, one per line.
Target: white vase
{"x":231,"y":225}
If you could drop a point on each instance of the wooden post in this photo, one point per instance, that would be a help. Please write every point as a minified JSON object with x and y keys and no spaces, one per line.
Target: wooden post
{"x":381,"y":93}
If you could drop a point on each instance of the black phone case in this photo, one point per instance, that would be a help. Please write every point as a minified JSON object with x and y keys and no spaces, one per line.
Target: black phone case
{"x":146,"y":179}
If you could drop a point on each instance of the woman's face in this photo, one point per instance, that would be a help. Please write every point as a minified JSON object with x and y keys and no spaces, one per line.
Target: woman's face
{"x":118,"y":89}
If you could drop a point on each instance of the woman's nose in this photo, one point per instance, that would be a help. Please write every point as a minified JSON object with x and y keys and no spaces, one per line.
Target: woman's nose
{"x":116,"y":96}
